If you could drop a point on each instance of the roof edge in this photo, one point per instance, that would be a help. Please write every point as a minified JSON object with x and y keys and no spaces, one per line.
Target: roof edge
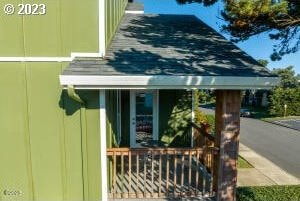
{"x":168,"y":82}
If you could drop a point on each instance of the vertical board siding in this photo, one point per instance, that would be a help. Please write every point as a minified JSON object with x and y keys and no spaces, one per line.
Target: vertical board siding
{"x":114,"y":12}
{"x":48,"y":142}
{"x":45,"y":128}
{"x":11,"y":34}
{"x":15,"y":172}
{"x":41,"y":136}
{"x":66,"y":27}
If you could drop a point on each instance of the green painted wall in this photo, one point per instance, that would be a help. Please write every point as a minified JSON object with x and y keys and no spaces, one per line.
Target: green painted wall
{"x":115,"y":10}
{"x":49,"y":144}
{"x":45,"y":147}
{"x":66,"y":27}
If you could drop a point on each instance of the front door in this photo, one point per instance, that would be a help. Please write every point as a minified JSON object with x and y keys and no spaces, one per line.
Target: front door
{"x":143,"y":117}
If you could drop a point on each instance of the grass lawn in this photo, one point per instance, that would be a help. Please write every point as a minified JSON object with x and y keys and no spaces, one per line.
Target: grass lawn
{"x":258,"y":112}
{"x":269,"y":193}
{"x":242,"y":163}
{"x":280,"y":118}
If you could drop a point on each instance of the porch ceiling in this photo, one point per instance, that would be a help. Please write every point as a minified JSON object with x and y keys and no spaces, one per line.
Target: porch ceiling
{"x":168,"y":51}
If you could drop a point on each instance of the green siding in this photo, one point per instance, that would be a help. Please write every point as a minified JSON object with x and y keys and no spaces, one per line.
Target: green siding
{"x":65,"y":28}
{"x":44,"y":141}
{"x":114,"y":12}
{"x":111,"y":128}
{"x":175,"y":110}
{"x":49,"y":145}
{"x":125,"y":138}
{"x":11,"y":33}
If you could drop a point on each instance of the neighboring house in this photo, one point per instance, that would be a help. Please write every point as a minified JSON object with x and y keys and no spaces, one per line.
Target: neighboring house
{"x":90,"y":110}
{"x":257,"y":98}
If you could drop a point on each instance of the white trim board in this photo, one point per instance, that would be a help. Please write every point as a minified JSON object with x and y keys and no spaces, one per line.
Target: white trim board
{"x":134,"y":12}
{"x":35,"y":59}
{"x":102,"y":137}
{"x":155,"y":122}
{"x":49,"y":59}
{"x":132,"y":112}
{"x":101,"y":28}
{"x":168,"y":82}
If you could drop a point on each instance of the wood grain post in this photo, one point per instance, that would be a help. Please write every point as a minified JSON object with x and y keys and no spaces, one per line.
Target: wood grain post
{"x":228,"y":103}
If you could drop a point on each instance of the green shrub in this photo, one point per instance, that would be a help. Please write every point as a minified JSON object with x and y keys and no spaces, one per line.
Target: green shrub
{"x":269,"y":193}
{"x":288,"y":96}
{"x":211,"y":121}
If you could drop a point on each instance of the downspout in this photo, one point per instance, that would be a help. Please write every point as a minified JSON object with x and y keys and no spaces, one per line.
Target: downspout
{"x":73,"y":95}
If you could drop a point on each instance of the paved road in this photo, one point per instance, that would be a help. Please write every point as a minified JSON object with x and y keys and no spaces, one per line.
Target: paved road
{"x":279,"y":144}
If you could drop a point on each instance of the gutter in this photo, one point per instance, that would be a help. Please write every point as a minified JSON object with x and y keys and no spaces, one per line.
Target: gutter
{"x":72,"y":94}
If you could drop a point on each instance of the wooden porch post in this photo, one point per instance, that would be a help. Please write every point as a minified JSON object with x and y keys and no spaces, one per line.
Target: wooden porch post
{"x":227,"y":114}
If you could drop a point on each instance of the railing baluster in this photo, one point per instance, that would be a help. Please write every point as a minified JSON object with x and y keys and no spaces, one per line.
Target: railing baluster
{"x":212,"y":172}
{"x":175,"y":171}
{"x":145,"y":176}
{"x":204,"y":170}
{"x":137,"y":174}
{"x":197,"y":172}
{"x":190,"y":170}
{"x":159,"y":175}
{"x":182,"y":172}
{"x":129,"y":172}
{"x":122,"y":174}
{"x":167,"y":179}
{"x":115,"y":175}
{"x":152,"y":172}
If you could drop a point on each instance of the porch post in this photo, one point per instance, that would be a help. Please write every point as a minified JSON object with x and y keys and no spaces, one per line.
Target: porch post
{"x":227,"y":123}
{"x":103,"y":145}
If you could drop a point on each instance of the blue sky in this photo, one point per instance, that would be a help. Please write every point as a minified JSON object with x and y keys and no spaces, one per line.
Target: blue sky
{"x":259,"y":47}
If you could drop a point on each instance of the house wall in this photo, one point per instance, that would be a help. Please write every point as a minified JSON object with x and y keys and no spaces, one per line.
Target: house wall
{"x":49,"y":144}
{"x":66,"y":27}
{"x":115,"y":10}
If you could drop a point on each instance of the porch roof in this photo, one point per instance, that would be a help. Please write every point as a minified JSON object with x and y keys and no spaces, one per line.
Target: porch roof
{"x":168,"y":51}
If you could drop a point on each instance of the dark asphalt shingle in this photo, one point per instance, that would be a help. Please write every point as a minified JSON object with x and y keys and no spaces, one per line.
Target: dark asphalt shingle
{"x":135,"y":6}
{"x":169,"y":45}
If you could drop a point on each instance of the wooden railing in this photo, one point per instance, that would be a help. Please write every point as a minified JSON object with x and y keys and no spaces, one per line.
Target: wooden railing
{"x":160,"y":172}
{"x":201,"y":136}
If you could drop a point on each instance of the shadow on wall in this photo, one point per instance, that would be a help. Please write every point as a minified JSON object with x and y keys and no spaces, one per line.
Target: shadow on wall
{"x":175,"y":131}
{"x":70,"y":106}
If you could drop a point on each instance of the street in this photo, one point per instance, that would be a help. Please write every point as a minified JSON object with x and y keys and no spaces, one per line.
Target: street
{"x":279,"y":144}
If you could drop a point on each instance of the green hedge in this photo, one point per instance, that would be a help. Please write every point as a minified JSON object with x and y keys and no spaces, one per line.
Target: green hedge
{"x":269,"y":193}
{"x":280,"y":97}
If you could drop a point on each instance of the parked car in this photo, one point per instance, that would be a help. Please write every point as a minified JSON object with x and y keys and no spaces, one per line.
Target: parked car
{"x":245,"y":112}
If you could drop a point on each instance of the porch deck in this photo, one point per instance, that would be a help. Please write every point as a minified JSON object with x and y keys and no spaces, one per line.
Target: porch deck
{"x":161,"y":172}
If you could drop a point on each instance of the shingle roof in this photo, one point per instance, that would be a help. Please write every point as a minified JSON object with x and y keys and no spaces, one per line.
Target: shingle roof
{"x":135,"y":6}
{"x":169,"y":45}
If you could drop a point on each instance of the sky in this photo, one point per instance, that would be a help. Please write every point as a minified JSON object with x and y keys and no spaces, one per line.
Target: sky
{"x":259,"y":47}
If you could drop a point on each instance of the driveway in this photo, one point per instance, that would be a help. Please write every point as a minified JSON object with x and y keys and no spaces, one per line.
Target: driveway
{"x":279,"y":144}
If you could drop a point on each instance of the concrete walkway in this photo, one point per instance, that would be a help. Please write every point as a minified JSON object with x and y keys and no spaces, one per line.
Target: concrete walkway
{"x":264,"y":172}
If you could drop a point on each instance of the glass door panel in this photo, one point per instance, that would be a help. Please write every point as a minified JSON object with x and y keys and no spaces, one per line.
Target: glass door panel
{"x":144,"y":117}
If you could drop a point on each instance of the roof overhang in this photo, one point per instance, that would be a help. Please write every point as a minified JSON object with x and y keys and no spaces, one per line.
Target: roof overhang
{"x":167,"y":82}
